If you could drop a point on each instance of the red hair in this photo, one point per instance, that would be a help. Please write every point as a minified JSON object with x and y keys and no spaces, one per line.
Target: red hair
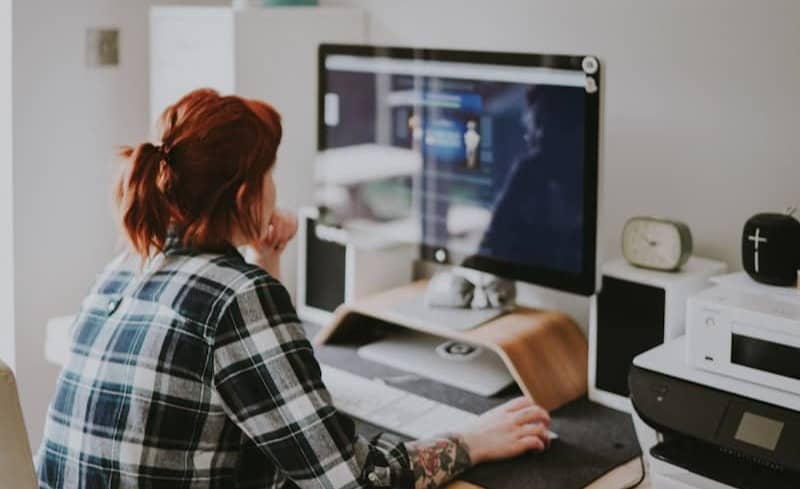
{"x":205,"y":181}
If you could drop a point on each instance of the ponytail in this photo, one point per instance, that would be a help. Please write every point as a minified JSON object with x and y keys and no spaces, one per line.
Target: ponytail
{"x":142,"y":197}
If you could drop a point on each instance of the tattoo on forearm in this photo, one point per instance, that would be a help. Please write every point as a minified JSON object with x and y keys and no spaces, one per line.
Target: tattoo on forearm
{"x":438,"y":461}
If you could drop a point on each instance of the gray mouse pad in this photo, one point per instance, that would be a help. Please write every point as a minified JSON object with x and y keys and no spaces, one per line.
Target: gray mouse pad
{"x":593,"y":441}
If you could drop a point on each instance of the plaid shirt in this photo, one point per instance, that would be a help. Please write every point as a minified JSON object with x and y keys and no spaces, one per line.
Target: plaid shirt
{"x":194,"y":372}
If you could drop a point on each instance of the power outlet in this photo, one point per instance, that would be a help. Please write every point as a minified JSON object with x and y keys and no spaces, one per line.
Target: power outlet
{"x":102,"y":47}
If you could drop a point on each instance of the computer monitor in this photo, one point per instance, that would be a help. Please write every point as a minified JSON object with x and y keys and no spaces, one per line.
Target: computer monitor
{"x":489,"y":160}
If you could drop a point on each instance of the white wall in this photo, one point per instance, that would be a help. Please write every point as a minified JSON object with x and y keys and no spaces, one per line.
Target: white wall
{"x":6,"y":198}
{"x":68,"y":121}
{"x":700,"y":101}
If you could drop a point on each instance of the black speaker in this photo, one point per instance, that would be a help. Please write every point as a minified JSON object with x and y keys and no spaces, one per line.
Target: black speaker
{"x":336,"y":266}
{"x":636,"y":310}
{"x":630,"y":320}
{"x":324,"y":271}
{"x":771,"y":248}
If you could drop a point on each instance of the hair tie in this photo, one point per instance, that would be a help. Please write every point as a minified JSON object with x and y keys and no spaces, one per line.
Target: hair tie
{"x":164,"y":151}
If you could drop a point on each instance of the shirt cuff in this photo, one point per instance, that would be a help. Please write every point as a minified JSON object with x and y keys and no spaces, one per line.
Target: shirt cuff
{"x":387,"y":465}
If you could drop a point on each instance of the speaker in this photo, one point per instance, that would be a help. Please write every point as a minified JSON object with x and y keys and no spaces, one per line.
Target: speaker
{"x":337,"y":266}
{"x":637,"y":309}
{"x":771,"y":248}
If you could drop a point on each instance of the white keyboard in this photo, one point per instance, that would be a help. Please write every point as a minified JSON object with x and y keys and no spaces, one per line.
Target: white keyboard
{"x":385,"y":406}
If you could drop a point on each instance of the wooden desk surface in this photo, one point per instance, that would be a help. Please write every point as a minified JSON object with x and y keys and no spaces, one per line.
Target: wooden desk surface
{"x":618,"y":478}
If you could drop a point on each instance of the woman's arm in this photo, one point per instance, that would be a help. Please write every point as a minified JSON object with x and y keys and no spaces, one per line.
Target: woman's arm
{"x":271,"y":386}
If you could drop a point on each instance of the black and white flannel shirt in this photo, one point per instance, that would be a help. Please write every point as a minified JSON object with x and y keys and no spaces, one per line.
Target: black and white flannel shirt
{"x":194,"y":372}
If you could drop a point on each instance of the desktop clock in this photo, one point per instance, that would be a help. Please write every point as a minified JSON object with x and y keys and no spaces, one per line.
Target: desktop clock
{"x":660,"y":244}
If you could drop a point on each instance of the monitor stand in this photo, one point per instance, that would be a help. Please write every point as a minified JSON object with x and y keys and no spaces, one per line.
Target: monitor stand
{"x":544,"y":351}
{"x":456,"y":319}
{"x":462,"y":365}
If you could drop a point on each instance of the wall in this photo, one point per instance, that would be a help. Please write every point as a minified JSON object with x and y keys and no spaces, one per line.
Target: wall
{"x":6,"y":196}
{"x":700,"y":97}
{"x":68,"y":121}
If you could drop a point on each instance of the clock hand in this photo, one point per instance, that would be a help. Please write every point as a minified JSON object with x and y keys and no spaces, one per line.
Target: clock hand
{"x":647,"y":238}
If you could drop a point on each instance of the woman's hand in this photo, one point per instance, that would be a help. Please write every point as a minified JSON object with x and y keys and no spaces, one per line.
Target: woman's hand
{"x":282,"y":228}
{"x":508,"y":430}
{"x":267,"y":253}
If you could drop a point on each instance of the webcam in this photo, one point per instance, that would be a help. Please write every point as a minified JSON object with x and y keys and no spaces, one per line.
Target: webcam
{"x":590,"y":65}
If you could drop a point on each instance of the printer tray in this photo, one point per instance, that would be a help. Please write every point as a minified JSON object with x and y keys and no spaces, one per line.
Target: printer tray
{"x":725,"y":466}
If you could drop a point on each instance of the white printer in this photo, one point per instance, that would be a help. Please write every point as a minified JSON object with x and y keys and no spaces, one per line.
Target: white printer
{"x":714,"y":431}
{"x":746,"y":330}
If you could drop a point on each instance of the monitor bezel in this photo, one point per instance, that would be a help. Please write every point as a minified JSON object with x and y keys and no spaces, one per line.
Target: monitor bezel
{"x":583,"y":283}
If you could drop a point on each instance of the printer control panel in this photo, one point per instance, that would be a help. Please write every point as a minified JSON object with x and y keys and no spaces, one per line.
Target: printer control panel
{"x":745,"y":426}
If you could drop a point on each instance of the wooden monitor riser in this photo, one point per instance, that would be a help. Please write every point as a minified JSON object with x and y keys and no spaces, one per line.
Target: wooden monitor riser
{"x":544,"y":351}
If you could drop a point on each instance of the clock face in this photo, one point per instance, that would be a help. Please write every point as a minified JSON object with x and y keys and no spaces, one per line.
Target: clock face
{"x":654,"y":243}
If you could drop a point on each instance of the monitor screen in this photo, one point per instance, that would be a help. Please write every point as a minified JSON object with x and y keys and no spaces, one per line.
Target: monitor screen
{"x":488,"y":160}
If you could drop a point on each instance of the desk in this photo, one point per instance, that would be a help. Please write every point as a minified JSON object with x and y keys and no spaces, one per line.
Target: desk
{"x":57,"y":346}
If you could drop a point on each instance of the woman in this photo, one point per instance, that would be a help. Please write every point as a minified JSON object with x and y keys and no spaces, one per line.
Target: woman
{"x":189,"y":367}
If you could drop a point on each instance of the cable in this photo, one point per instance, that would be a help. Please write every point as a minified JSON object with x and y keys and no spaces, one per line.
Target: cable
{"x":641,"y":479}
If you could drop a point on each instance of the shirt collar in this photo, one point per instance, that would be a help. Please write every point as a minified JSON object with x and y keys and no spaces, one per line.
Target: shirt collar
{"x":174,"y":246}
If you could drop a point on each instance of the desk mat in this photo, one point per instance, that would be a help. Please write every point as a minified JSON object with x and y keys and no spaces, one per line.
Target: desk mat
{"x":593,"y":439}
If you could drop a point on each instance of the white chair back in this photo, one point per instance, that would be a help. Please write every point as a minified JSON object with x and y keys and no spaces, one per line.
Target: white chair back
{"x":16,"y":462}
